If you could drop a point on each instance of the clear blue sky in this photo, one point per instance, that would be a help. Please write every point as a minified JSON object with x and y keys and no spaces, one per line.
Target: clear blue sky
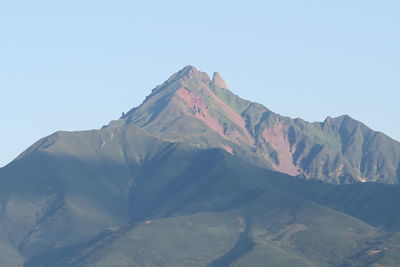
{"x":75,"y":65}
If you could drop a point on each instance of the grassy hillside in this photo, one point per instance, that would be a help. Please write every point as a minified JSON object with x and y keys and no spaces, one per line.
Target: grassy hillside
{"x":98,"y":198}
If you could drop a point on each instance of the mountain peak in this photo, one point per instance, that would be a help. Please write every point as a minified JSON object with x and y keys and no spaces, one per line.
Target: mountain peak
{"x":189,"y":72}
{"x":218,"y":81}
{"x":189,"y":69}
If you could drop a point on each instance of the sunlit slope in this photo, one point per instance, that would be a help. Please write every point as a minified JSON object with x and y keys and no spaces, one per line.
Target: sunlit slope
{"x":192,"y":108}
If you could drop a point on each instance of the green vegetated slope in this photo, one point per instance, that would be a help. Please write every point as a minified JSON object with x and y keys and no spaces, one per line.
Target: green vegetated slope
{"x":185,"y":179}
{"x":70,"y":186}
{"x":98,"y":198}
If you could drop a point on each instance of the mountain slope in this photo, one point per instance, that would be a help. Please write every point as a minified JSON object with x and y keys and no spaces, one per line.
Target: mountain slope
{"x":70,"y":186}
{"x":89,"y":198}
{"x":185,"y":179}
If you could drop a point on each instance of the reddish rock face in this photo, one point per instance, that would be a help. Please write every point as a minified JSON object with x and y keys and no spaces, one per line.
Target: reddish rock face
{"x":200,"y":110}
{"x":236,"y":118}
{"x":278,"y":139}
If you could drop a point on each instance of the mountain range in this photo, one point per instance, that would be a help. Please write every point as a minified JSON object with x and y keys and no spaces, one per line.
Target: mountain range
{"x":197,"y":176}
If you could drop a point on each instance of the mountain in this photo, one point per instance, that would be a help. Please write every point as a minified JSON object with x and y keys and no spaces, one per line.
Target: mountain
{"x":192,"y":108}
{"x":190,"y":178}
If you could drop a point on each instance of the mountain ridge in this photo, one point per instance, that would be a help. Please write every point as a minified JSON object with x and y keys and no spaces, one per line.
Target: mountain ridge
{"x":208,"y":114}
{"x":190,"y":107}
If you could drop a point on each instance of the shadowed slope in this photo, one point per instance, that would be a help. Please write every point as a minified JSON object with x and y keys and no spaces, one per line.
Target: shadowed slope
{"x":71,"y":186}
{"x":209,"y":203}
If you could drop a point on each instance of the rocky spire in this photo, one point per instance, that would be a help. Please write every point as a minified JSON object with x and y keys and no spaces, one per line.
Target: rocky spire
{"x":218,"y":81}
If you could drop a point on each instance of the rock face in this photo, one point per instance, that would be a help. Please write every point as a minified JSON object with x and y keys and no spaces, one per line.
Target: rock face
{"x":218,"y":81}
{"x":194,"y":109}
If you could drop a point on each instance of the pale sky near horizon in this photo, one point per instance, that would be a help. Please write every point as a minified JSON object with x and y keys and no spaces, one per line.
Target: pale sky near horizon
{"x":76,"y":65}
